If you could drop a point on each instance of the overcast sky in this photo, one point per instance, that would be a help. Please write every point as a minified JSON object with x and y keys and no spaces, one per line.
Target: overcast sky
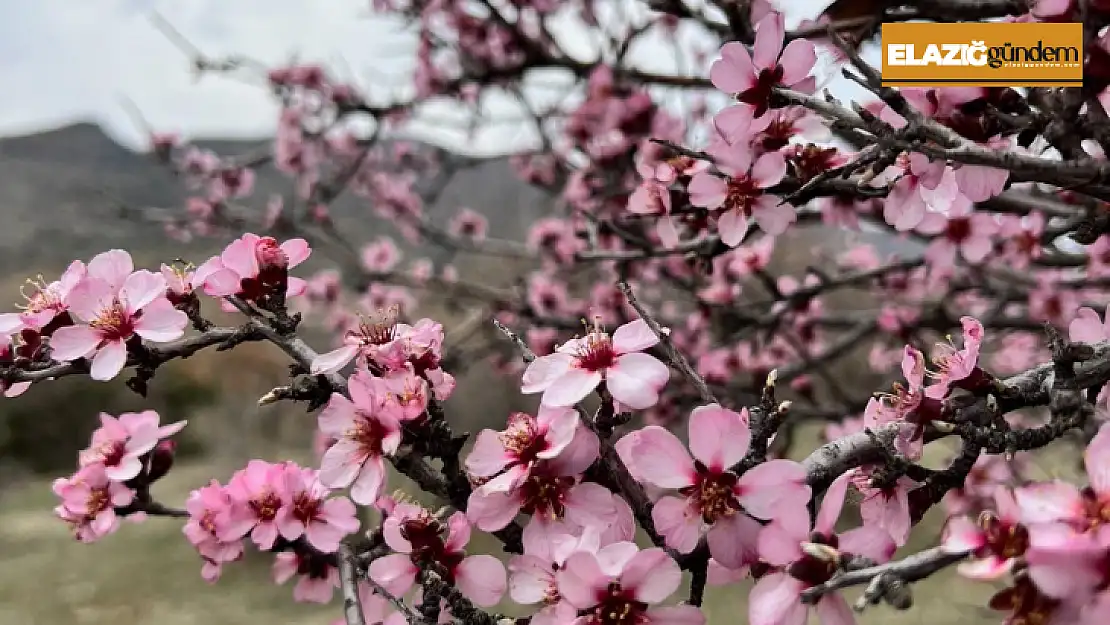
{"x":67,"y":61}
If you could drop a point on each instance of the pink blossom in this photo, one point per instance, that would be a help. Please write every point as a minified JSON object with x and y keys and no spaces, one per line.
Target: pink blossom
{"x":89,"y":502}
{"x":713,"y":498}
{"x":752,"y":77}
{"x":119,"y":444}
{"x":957,"y":365}
{"x":420,"y":540}
{"x":621,"y":579}
{"x":112,"y":304}
{"x":254,"y":268}
{"x":207,"y":507}
{"x":469,"y":224}
{"x":366,"y":431}
{"x":535,"y":467}
{"x":179,"y":283}
{"x":903,"y":405}
{"x":918,"y":185}
{"x":381,"y":256}
{"x":886,"y":508}
{"x":1058,"y":502}
{"x":317,"y":579}
{"x":743,"y":194}
{"x":310,"y":513}
{"x":1049,"y":302}
{"x":578,"y":366}
{"x":776,"y":598}
{"x":533,"y":576}
{"x":1088,"y":328}
{"x":1021,"y":238}
{"x":995,"y":542}
{"x":257,"y":494}
{"x":963,"y":229}
{"x":384,"y":343}
{"x":45,"y":302}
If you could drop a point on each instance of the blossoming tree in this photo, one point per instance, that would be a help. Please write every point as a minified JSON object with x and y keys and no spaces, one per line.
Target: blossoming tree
{"x":667,"y":415}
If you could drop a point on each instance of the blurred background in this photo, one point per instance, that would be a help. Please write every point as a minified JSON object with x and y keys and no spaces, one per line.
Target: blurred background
{"x":84,"y":84}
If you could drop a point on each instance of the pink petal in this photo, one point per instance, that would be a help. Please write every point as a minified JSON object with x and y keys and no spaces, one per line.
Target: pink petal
{"x":1097,"y":460}
{"x":651,"y":575}
{"x":490,"y":512}
{"x":578,"y":455}
{"x":239,"y":257}
{"x":776,"y":600}
{"x":768,"y":169}
{"x":161,"y":322}
{"x":296,"y":250}
{"x":1046,"y":502}
{"x":774,"y":489}
{"x":508,"y":481}
{"x":530,"y":579}
{"x":544,"y":370}
{"x":768,"y":42}
{"x":371,"y":479}
{"x":986,"y":569}
{"x":734,"y":123}
{"x":772,"y":215}
{"x":112,"y":267}
{"x":10,"y":323}
{"x":590,"y":505}
{"x":334,"y":360}
{"x":798,"y":58}
{"x":1086,"y":327}
{"x":141,"y":288}
{"x":341,"y":464}
{"x":108,"y":361}
{"x":395,"y":572}
{"x":707,"y":190}
{"x":489,"y":456}
{"x":732,"y":225}
{"x":670,"y":465}
{"x":832,"y":609}
{"x":962,"y":534}
{"x":734,"y":541}
{"x":719,"y":437}
{"x":634,"y":336}
{"x":481,"y":579}
{"x":868,"y":541}
{"x":635,"y":380}
{"x":733,"y":72}
{"x":780,"y":545}
{"x":571,"y":387}
{"x":678,"y":522}
{"x":73,"y":342}
{"x":581,"y":580}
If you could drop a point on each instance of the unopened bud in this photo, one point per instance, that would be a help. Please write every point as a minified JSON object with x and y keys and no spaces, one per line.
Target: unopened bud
{"x":784,"y":406}
{"x":272,"y":397}
{"x":772,"y":378}
{"x":270,"y":255}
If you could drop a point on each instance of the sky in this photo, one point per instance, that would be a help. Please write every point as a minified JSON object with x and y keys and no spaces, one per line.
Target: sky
{"x":102,"y":60}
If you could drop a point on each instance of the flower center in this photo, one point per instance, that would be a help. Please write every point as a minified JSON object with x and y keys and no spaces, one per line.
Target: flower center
{"x":305,"y":507}
{"x":595,"y":351}
{"x":958,"y":229}
{"x":99,"y":500}
{"x":712,"y":493}
{"x":742,"y":194}
{"x":759,"y":95}
{"x":810,"y":160}
{"x":114,"y":323}
{"x":522,"y":437}
{"x":425,"y":534}
{"x":1006,"y":540}
{"x":379,"y":329}
{"x":1026,"y":605}
{"x":545,"y":495}
{"x":368,"y":433}
{"x":43,"y":298}
{"x":1097,"y":511}
{"x":266,"y":506}
{"x":618,"y":608}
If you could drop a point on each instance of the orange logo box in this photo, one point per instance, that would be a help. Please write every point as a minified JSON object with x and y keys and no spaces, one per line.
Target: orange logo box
{"x":993,"y":54}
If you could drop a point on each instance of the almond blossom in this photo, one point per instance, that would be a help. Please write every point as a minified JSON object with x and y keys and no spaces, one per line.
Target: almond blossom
{"x":995,"y":542}
{"x":776,"y":598}
{"x":317,"y":579}
{"x":958,"y":367}
{"x":507,"y":458}
{"x":257,"y":494}
{"x":533,"y":576}
{"x":578,"y":366}
{"x":309,"y":512}
{"x":743,"y":194}
{"x":208,"y":507}
{"x":112,"y":304}
{"x":120,"y":444}
{"x":420,"y":540}
{"x":751,"y":78}
{"x":89,"y":502}
{"x":253,"y":268}
{"x":963,"y":230}
{"x":714,"y":499}
{"x":46,"y":302}
{"x":1058,"y":502}
{"x":1088,"y":328}
{"x":918,"y":185}
{"x":366,"y":430}
{"x":624,"y":581}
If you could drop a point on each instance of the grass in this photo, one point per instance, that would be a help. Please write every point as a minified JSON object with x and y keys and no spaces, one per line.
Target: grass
{"x":148,"y":573}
